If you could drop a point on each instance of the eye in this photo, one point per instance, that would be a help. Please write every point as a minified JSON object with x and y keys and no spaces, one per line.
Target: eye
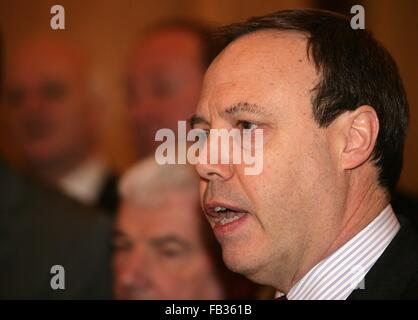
{"x":132,"y":93}
{"x":202,"y":132}
{"x":164,"y":88}
{"x":206,"y":132}
{"x":121,"y":244}
{"x":54,"y":90}
{"x":246,"y":125}
{"x":171,"y":253}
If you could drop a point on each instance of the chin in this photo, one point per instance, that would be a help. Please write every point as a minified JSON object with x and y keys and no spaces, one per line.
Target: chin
{"x":240,"y":262}
{"x":245,"y":261}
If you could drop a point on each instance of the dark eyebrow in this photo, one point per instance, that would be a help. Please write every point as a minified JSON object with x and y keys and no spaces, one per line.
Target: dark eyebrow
{"x":240,"y":107}
{"x":245,"y":107}
{"x":195,"y":119}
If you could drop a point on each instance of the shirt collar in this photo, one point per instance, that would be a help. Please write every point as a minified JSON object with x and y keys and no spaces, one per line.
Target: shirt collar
{"x":85,"y":182}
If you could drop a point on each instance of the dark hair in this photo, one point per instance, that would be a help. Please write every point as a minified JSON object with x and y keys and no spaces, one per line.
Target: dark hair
{"x":202,"y":31}
{"x":355,"y":69}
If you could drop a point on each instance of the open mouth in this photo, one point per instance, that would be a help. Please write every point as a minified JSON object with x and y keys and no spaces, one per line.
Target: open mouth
{"x":222,"y":214}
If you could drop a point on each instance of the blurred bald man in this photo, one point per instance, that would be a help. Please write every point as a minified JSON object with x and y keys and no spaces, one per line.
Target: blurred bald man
{"x":164,"y":77}
{"x":42,"y":228}
{"x":54,"y":119}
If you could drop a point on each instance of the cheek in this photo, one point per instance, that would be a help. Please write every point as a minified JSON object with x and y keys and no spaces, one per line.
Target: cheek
{"x":166,"y":284}
{"x":288,"y":184}
{"x":202,"y":188}
{"x":120,"y":272}
{"x":16,"y":123}
{"x":119,"y":259}
{"x":169,"y":285}
{"x":65,"y":117}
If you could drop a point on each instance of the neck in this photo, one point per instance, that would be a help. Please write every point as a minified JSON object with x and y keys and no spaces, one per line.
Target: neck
{"x":364,"y":203}
{"x":53,"y":171}
{"x":365,"y":200}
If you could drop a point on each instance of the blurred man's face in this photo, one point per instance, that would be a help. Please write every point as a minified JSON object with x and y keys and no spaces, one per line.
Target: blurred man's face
{"x":47,"y":104}
{"x":159,"y":253}
{"x":285,"y":216}
{"x":163,"y":84}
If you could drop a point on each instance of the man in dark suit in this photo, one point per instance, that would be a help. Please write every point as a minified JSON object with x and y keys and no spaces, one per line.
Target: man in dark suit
{"x":329,"y":105}
{"x":41,"y":228}
{"x":51,"y":247}
{"x":54,"y":120}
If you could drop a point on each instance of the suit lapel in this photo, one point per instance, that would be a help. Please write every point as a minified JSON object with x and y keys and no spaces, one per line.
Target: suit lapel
{"x":392,"y":273}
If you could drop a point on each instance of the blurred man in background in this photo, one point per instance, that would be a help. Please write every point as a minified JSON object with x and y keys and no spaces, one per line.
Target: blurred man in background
{"x":41,"y":228}
{"x":164,"y":77}
{"x":163,"y":248}
{"x":54,"y":120}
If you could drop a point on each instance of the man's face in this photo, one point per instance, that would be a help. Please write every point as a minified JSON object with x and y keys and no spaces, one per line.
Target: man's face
{"x":164,"y":79}
{"x":286,"y":213}
{"x":159,"y":253}
{"x":47,"y":104}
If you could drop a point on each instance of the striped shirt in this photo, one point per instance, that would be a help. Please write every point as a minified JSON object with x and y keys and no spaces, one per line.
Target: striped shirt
{"x":335,"y":277}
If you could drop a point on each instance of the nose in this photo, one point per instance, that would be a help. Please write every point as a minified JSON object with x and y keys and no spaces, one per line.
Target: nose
{"x":214,"y":171}
{"x":133,"y":271}
{"x":210,"y":166}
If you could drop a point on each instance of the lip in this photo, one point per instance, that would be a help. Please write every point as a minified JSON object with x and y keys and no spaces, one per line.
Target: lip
{"x":210,"y":208}
{"x":220,"y":229}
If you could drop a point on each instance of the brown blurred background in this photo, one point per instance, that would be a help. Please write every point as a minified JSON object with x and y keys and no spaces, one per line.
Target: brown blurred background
{"x":107,"y":29}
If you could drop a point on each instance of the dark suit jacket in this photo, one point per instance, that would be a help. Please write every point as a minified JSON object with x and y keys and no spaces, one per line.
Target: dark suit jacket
{"x":395,"y":273}
{"x":40,"y":228}
{"x":108,"y":198}
{"x":406,"y":205}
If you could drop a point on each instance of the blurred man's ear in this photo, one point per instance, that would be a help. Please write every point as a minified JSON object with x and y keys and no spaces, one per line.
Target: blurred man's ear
{"x":355,"y":134}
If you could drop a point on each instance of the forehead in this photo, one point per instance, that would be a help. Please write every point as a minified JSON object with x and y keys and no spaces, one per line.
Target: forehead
{"x":266,"y":65}
{"x":179,"y":216}
{"x":166,"y":47}
{"x":42,"y":60}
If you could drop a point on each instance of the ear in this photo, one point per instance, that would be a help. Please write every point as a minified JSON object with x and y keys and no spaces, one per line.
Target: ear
{"x":359,"y":130}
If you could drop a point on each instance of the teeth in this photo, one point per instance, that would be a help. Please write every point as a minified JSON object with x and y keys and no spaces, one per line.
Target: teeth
{"x":225,"y":215}
{"x":228,"y":220}
{"x":230,"y":214}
